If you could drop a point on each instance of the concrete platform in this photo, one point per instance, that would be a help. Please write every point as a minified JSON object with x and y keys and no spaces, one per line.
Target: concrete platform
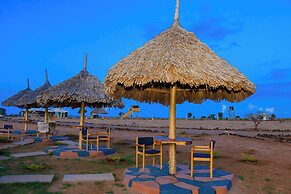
{"x":4,"y":158}
{"x":88,"y":177}
{"x":72,"y":151}
{"x":28,"y":154}
{"x":153,"y":180}
{"x":26,"y":178}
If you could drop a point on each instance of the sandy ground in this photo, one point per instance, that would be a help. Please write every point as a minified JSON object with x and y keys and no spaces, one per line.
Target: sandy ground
{"x":270,"y":174}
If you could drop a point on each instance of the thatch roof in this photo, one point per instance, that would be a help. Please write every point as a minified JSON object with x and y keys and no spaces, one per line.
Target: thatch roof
{"x":83,"y":87}
{"x":99,"y":111}
{"x":176,"y":56}
{"x":12,"y":100}
{"x":30,"y":99}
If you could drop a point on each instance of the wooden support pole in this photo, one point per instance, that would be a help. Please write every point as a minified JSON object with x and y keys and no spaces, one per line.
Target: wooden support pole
{"x":172,"y":131}
{"x":82,"y":115}
{"x":26,"y":119}
{"x":46,"y":116}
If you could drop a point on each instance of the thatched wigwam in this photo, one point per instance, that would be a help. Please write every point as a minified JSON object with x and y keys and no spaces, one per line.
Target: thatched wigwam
{"x":30,"y":100}
{"x":175,"y":67}
{"x":81,"y":90}
{"x":11,"y":101}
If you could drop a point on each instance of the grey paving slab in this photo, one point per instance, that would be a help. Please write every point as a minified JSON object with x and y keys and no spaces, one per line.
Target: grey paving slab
{"x":88,"y":177}
{"x":26,"y":178}
{"x":27,"y":154}
{"x":68,"y":142}
{"x":25,"y":142}
{"x":4,"y":158}
{"x":3,"y":147}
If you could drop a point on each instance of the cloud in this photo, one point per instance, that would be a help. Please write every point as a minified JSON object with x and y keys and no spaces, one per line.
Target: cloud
{"x":216,"y":29}
{"x":251,"y":107}
{"x":223,"y":108}
{"x":254,"y":108}
{"x":280,"y":73}
{"x":227,"y":48}
{"x":271,"y":90}
{"x":270,"y":110}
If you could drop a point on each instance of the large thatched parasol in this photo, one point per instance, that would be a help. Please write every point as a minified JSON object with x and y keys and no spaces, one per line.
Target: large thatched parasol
{"x":12,"y":102}
{"x":175,"y":67}
{"x":78,"y":91}
{"x":30,"y":100}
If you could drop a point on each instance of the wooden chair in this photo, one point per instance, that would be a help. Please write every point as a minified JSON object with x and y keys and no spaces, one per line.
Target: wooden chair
{"x":103,"y":136}
{"x":7,"y":131}
{"x":88,"y":138}
{"x":141,"y":149}
{"x":203,"y":154}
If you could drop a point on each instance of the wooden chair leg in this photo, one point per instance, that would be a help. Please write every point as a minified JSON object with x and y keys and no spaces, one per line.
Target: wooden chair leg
{"x":143,"y":161}
{"x":108,"y":143}
{"x":136,"y":160}
{"x":161,"y":161}
{"x":211,"y":168}
{"x":153,"y":160}
{"x":191,"y":165}
{"x":97,"y":144}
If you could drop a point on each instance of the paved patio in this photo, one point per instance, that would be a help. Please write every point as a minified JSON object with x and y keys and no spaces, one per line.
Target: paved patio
{"x":154,"y":181}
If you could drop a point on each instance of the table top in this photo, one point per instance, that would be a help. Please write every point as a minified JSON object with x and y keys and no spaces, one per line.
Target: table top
{"x":80,"y":127}
{"x":177,"y":141}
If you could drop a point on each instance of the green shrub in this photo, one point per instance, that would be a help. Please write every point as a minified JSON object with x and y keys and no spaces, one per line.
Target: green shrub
{"x":35,"y":167}
{"x":247,"y":158}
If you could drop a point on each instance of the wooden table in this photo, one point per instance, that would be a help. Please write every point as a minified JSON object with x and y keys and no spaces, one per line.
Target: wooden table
{"x":178,"y":141}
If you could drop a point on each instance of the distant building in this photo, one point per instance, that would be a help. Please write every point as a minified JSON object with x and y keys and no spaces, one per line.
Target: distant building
{"x":59,"y":112}
{"x":2,"y":112}
{"x":231,"y":113}
{"x":40,"y":112}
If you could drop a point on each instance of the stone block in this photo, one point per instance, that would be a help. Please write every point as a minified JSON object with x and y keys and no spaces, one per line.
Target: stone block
{"x":146,"y":187}
{"x":127,"y":178}
{"x":88,"y":177}
{"x":68,"y":154}
{"x":220,"y":189}
{"x":194,"y":189}
{"x":94,"y":154}
{"x":166,"y":180}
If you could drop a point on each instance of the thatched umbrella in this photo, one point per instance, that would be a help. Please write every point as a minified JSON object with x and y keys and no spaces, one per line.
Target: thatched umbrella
{"x":30,"y":100}
{"x":97,"y":111}
{"x":81,"y":90}
{"x":12,"y":102}
{"x":175,"y":67}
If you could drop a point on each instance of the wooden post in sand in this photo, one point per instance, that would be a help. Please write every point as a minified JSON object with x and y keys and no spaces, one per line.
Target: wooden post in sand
{"x":26,"y":119}
{"x":82,"y":115}
{"x":172,"y":131}
{"x":46,"y":115}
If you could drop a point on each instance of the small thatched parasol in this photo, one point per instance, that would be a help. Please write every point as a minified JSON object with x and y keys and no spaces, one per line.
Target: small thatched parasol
{"x":78,"y":91}
{"x":175,"y":67}
{"x":30,"y":100}
{"x":98,"y":111}
{"x":12,"y":102}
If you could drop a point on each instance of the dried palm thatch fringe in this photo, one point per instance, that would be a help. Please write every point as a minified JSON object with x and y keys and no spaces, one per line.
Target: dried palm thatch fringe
{"x":83,"y":87}
{"x":176,"y":56}
{"x":29,"y":100}
{"x":12,"y":100}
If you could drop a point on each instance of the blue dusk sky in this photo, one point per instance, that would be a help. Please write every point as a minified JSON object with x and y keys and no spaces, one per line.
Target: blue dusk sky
{"x":253,"y":36}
